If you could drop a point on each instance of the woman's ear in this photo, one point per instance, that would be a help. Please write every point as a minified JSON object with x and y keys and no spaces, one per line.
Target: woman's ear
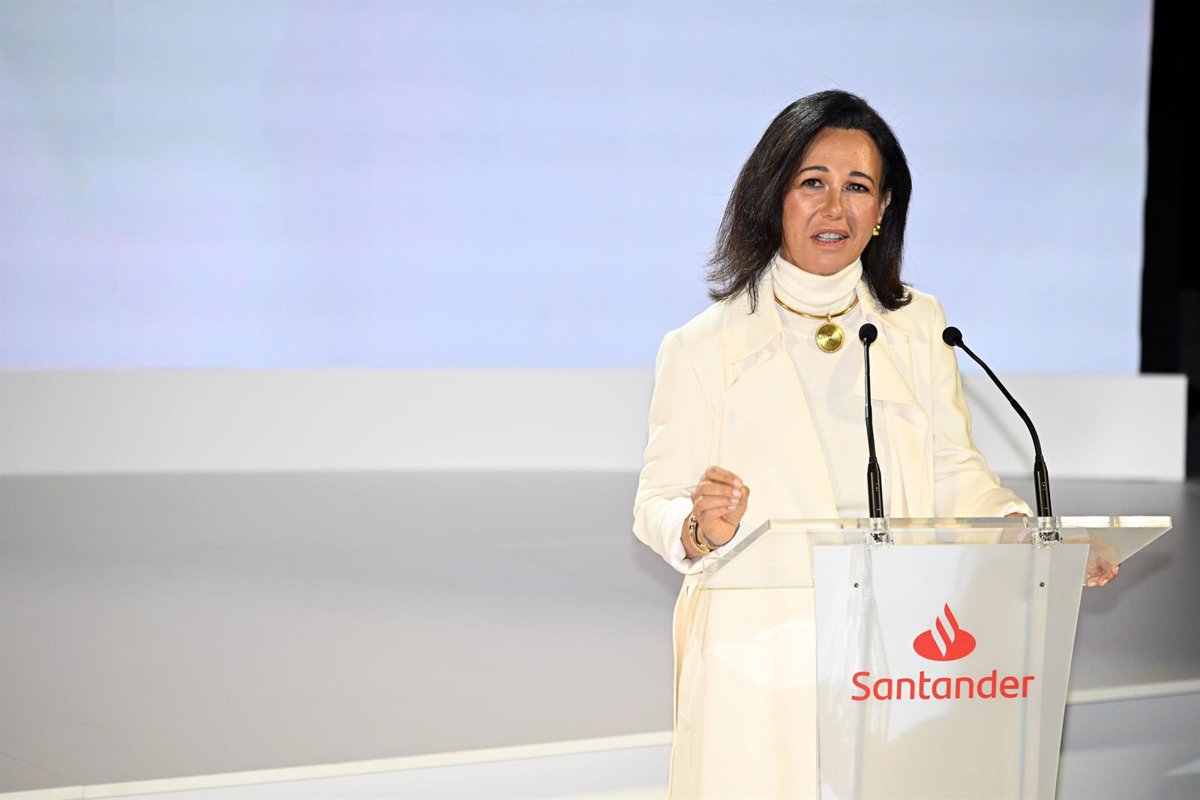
{"x":887,"y":199}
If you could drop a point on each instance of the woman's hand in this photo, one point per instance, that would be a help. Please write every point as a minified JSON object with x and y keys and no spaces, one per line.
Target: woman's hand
{"x":1100,"y":572}
{"x":1103,"y":563}
{"x":718,"y":504}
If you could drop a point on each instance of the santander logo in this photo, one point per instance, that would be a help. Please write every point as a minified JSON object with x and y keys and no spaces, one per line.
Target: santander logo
{"x":945,"y":641}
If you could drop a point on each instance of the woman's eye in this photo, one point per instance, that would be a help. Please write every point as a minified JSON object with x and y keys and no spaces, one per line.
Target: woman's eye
{"x":811,"y":183}
{"x":858,"y":187}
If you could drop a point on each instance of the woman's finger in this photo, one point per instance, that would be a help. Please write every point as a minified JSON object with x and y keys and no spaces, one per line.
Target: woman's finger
{"x":1102,"y":573}
{"x":709,"y":503}
{"x":715,"y":489}
{"x":719,"y":475}
{"x":736,"y":510}
{"x":731,"y":514}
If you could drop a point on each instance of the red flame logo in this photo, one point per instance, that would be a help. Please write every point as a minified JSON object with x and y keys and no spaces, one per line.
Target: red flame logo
{"x":945,"y":641}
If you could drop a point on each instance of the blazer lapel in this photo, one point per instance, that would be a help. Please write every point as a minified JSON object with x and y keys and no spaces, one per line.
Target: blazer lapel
{"x":766,"y":395}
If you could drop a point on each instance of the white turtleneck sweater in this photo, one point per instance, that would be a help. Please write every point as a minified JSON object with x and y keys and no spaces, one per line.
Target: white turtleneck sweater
{"x":828,"y":378}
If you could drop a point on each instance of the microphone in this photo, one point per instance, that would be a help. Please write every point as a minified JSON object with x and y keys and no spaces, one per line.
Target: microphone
{"x":1041,"y":479}
{"x":867,"y":334}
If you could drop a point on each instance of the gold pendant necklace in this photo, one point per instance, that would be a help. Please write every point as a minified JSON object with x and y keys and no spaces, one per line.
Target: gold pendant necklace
{"x":830,"y":336}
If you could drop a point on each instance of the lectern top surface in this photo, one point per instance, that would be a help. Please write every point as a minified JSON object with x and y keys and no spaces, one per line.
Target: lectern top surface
{"x":779,"y":552}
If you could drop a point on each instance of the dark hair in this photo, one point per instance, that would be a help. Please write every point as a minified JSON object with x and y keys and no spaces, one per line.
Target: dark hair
{"x":752,"y":228}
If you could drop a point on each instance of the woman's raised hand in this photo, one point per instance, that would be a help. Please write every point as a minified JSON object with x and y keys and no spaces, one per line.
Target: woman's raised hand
{"x":719,"y":503}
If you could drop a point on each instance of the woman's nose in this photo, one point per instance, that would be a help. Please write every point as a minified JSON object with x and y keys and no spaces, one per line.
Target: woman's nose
{"x":833,"y":204}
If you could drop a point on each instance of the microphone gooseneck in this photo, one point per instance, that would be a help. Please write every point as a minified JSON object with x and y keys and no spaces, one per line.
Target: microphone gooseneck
{"x":1041,"y":477}
{"x":867,"y":334}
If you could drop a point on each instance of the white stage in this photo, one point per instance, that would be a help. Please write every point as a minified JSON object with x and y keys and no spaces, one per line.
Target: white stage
{"x":167,"y":627}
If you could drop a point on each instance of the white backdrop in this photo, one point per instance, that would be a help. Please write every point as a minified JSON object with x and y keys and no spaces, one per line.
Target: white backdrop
{"x":500,"y":185}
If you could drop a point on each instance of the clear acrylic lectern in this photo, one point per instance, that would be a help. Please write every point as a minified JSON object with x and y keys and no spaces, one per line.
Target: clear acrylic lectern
{"x":923,"y":658}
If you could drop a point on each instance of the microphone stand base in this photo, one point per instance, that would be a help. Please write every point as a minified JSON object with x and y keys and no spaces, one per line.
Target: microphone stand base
{"x":880,"y":534}
{"x":1047,"y":533}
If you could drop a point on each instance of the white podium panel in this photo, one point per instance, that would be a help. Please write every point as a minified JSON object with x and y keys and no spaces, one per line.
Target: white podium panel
{"x":914,"y":658}
{"x":943,"y":669}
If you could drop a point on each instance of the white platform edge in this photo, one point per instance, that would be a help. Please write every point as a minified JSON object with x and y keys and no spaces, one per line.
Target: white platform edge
{"x":316,"y":771}
{"x":1133,"y":691}
{"x":108,"y":422}
{"x":548,"y":749}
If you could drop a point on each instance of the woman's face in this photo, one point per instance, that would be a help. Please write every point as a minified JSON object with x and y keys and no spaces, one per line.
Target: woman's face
{"x":834,"y":202}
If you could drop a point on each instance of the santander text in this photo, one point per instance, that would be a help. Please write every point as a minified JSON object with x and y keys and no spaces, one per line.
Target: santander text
{"x":924,"y":687}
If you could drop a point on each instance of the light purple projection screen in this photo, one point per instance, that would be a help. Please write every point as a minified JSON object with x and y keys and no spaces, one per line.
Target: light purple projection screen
{"x":490,"y":184}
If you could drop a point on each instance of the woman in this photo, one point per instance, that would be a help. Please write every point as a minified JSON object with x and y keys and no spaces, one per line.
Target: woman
{"x":757,"y":414}
{"x":762,"y":385}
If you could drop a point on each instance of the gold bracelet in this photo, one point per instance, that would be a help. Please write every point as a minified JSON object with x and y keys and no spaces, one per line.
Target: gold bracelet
{"x":693,"y":526}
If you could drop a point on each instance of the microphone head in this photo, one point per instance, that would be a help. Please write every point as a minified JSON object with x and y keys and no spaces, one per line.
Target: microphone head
{"x":952,"y":336}
{"x":867,"y":333}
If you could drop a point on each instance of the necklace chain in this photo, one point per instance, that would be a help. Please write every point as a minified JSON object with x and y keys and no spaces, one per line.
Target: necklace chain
{"x":827,"y":317}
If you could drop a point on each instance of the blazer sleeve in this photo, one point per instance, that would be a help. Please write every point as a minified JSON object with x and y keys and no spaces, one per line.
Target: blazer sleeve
{"x":681,"y":425}
{"x":963,"y":484}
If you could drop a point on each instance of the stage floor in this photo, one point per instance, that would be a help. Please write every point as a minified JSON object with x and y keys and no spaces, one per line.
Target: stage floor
{"x":159,"y":626}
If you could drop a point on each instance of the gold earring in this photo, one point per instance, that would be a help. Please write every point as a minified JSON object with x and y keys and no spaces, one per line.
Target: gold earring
{"x":876,"y":231}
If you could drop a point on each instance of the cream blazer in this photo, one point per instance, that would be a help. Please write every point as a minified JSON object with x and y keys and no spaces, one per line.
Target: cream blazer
{"x":727,"y":393}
